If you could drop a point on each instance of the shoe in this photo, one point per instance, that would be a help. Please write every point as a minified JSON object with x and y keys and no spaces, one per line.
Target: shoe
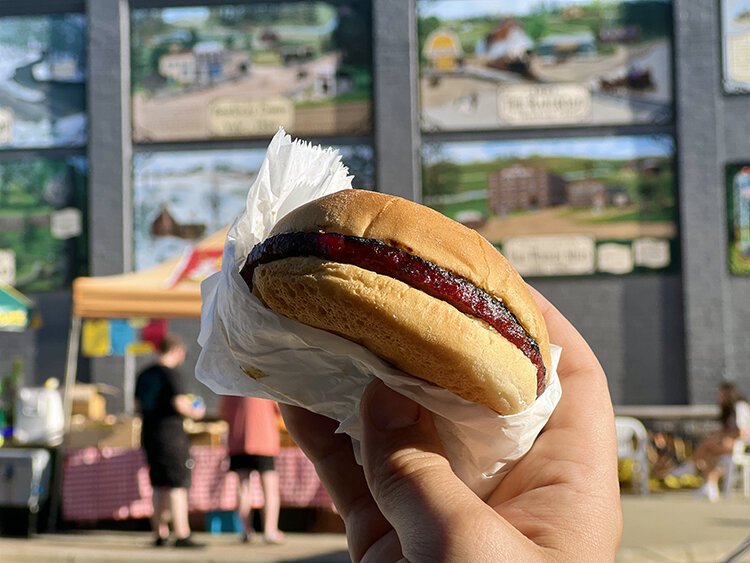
{"x":709,"y":491}
{"x":160,"y":541}
{"x":188,"y":542}
{"x":247,"y":538}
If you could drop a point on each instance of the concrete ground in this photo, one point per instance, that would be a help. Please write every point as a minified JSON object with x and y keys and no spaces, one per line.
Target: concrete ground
{"x":669,"y":527}
{"x":125,"y":547}
{"x":677,"y":527}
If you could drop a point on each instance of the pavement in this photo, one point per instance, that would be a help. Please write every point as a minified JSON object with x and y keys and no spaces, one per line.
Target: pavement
{"x":676,"y":527}
{"x":671,"y":527}
{"x":126,"y":547}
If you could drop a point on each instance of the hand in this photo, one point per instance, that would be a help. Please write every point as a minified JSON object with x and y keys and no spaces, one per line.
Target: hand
{"x":560,"y":502}
{"x":186,"y":406}
{"x":199,"y":412}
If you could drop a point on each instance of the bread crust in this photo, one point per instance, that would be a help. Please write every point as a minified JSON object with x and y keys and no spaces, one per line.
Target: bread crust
{"x":423,"y":336}
{"x":430,"y":235}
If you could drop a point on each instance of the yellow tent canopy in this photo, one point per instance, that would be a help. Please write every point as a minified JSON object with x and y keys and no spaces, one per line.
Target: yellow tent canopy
{"x":151,"y":293}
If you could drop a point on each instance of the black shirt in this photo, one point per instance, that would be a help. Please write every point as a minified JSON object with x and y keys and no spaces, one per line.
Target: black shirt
{"x":155,"y":390}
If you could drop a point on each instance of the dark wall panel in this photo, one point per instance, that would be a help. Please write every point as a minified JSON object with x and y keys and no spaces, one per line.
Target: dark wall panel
{"x":634,"y":325}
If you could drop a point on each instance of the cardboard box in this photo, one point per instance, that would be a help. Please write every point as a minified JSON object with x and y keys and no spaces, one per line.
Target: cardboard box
{"x":123,"y":433}
{"x":85,"y":435}
{"x":89,"y":402}
{"x":207,"y":433}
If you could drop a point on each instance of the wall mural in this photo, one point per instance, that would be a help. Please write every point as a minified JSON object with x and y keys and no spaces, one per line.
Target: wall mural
{"x":42,"y":81}
{"x":531,"y":63}
{"x":738,"y":215}
{"x":244,"y":71}
{"x":181,"y":197}
{"x":562,"y":206}
{"x":43,"y":242}
{"x":735,"y":27}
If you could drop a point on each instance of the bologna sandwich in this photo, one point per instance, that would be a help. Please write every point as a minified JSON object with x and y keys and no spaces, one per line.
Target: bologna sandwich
{"x":418,"y":289}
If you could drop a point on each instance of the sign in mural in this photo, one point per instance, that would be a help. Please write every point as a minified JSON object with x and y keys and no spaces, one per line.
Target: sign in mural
{"x":42,"y":81}
{"x":181,"y":197}
{"x":738,"y":215}
{"x":735,"y":23}
{"x":42,"y":216}
{"x":554,"y":207}
{"x":240,"y":71}
{"x":531,"y":63}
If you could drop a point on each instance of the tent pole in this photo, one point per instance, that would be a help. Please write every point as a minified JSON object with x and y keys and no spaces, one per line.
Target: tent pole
{"x":71,"y":368}
{"x":71,"y":373}
{"x":129,"y":384}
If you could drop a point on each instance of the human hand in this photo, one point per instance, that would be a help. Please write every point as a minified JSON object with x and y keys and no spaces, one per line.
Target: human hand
{"x":558,"y":503}
{"x":189,"y":406}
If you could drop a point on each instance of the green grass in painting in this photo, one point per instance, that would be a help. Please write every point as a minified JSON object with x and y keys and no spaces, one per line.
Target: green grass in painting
{"x":738,"y":264}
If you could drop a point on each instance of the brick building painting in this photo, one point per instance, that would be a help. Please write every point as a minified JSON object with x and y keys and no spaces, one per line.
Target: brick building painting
{"x":520,"y":187}
{"x":586,"y":193}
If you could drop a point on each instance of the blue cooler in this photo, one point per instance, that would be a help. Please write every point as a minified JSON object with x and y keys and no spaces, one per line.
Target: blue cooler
{"x":223,"y":521}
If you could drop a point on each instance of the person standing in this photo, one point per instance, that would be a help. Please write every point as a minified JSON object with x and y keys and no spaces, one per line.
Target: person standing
{"x":163,"y":402}
{"x":253,"y":442}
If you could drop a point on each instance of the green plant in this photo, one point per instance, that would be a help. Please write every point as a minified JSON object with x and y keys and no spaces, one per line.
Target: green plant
{"x":8,"y":387}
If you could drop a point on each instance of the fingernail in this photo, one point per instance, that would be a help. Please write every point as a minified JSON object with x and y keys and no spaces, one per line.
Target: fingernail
{"x":387,"y":410}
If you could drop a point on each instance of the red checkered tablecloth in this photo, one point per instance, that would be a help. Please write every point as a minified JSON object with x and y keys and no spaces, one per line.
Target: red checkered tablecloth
{"x":113,"y":484}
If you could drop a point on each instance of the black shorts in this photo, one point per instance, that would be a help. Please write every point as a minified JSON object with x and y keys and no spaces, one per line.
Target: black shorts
{"x":170,"y":474}
{"x":168,"y":456}
{"x":250,"y":462}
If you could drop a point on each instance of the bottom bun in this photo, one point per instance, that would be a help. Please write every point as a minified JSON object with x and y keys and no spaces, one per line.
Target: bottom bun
{"x":421,"y":335}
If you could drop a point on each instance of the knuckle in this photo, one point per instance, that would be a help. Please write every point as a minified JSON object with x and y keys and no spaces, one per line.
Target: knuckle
{"x":404,"y":470}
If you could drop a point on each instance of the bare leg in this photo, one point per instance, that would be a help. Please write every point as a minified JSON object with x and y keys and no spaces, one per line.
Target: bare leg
{"x":707,"y":460}
{"x":706,"y":452}
{"x":160,"y":517}
{"x":713,"y":476}
{"x":709,"y":452}
{"x":244,"y":503}
{"x":271,"y":506}
{"x":178,"y":499}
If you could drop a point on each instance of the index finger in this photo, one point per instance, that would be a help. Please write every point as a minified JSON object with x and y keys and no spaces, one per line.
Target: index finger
{"x":331,"y":454}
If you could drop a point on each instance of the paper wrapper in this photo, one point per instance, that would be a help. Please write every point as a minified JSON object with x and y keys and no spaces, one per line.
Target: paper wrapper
{"x":249,"y":350}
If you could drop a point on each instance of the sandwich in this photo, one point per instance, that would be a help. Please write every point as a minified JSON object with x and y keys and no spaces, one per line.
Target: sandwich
{"x":425,"y":293}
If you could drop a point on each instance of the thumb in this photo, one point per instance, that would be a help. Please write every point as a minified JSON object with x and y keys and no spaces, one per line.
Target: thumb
{"x":410,"y":477}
